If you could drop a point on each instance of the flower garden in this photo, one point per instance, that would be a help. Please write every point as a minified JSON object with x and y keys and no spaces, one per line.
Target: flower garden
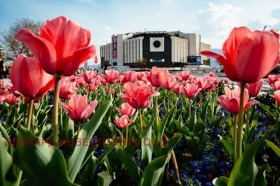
{"x":155,"y":127}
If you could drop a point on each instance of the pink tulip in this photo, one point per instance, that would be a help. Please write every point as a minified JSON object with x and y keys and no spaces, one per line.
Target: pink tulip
{"x":29,"y":78}
{"x":138,"y":94}
{"x":190,"y":90}
{"x":111,"y":76}
{"x":231,"y":100}
{"x":61,"y":46}
{"x":171,"y":81}
{"x":248,"y":56}
{"x":126,"y":109}
{"x":185,"y":75}
{"x":67,"y":89}
{"x":276,"y":96}
{"x":176,"y":88}
{"x":129,"y":76}
{"x":78,"y":109}
{"x":89,"y":76}
{"x":3,"y":95}
{"x":123,"y":121}
{"x":12,"y":99}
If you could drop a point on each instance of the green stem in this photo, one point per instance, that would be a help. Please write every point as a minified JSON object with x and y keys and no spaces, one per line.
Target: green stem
{"x":190,"y":107}
{"x":141,"y":120}
{"x":79,"y":128}
{"x":126,"y":136}
{"x":30,"y":113}
{"x":156,"y":113}
{"x":240,"y":122}
{"x":235,"y":137}
{"x":55,"y":110}
{"x":168,"y":100}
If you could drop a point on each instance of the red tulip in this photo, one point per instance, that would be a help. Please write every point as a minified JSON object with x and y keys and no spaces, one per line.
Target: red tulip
{"x":29,"y":78}
{"x":248,"y":56}
{"x":138,"y":94}
{"x":158,"y":76}
{"x":78,"y":109}
{"x":126,"y":109}
{"x":254,"y":88}
{"x":231,"y":101}
{"x":61,"y":46}
{"x":123,"y":121}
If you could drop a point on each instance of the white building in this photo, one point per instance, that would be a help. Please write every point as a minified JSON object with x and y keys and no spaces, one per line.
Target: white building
{"x":147,"y":49}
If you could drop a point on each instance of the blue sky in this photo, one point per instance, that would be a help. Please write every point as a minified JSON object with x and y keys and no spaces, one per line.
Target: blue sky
{"x":212,"y":19}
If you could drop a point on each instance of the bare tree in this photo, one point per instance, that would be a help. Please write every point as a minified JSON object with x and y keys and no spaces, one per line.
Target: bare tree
{"x":14,"y":47}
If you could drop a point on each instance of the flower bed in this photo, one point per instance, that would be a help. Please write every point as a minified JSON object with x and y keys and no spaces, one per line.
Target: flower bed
{"x":138,"y":128}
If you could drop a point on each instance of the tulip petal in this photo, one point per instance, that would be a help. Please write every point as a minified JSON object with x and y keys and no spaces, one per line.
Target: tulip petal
{"x":21,"y":72}
{"x":41,"y":48}
{"x":253,"y":53}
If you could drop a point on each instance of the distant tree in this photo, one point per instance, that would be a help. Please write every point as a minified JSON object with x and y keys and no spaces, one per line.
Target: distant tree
{"x":12,"y":46}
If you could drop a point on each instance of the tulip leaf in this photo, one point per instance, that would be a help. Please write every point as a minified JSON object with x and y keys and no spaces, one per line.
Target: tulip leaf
{"x":100,"y":159}
{"x":228,"y":144}
{"x":154,"y":171}
{"x":167,"y":120}
{"x":104,"y":179}
{"x":171,"y":143}
{"x":146,"y":146}
{"x":7,"y":177}
{"x":273,"y":147}
{"x":130,"y":164}
{"x":192,"y":121}
{"x":221,"y":181}
{"x":87,"y":131}
{"x":245,"y":171}
{"x":204,"y":110}
{"x":42,"y":163}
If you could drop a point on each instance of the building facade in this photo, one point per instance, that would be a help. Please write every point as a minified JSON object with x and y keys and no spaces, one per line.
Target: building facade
{"x":147,"y":49}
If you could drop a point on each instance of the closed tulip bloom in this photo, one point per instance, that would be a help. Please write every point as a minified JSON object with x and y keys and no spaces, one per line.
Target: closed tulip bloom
{"x":29,"y":78}
{"x":123,"y":121}
{"x":171,"y":81}
{"x":78,"y":108}
{"x":158,"y":76}
{"x":67,"y":89}
{"x":276,"y":96}
{"x":231,"y":100}
{"x":248,"y":56}
{"x":61,"y":46}
{"x":126,"y":109}
{"x":138,"y":94}
{"x":273,"y":78}
{"x":190,"y":90}
{"x":12,"y":99}
{"x":3,"y":94}
{"x":254,"y":88}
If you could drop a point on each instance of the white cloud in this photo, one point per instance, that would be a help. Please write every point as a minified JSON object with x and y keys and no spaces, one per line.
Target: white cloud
{"x":216,"y":21}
